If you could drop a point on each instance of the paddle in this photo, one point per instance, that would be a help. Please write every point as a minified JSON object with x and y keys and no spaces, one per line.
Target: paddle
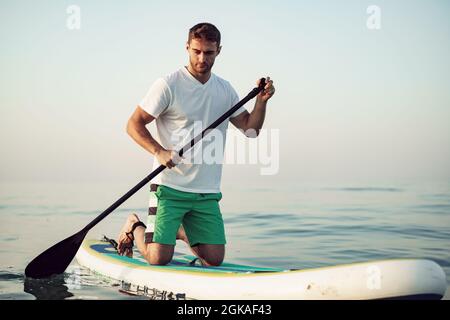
{"x":56,"y":259}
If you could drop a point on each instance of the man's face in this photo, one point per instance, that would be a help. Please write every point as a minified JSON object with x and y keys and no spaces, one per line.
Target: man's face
{"x":202,"y":54}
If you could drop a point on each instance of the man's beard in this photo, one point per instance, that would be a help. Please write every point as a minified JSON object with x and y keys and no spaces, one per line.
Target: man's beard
{"x":203,"y":70}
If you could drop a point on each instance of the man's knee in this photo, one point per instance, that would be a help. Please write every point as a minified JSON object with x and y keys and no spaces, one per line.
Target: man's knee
{"x":159,"y":261}
{"x":159,"y":255}
{"x":214,"y":261}
{"x":211,"y":255}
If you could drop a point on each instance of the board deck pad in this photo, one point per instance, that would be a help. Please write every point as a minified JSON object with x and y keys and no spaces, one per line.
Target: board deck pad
{"x":179,"y":262}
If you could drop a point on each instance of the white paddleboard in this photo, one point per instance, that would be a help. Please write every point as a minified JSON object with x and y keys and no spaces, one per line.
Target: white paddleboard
{"x":384,"y":279}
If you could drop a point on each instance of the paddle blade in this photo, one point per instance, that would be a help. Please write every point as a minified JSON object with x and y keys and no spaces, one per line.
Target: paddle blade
{"x":56,"y":259}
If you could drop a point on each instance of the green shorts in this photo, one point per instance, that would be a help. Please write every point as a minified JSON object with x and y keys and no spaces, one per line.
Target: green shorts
{"x":198,"y":212}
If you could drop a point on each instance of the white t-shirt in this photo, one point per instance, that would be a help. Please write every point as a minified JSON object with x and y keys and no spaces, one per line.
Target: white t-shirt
{"x":183,"y":107}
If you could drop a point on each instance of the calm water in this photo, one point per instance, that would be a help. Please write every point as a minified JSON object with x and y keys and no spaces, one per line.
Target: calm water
{"x":290,"y":226}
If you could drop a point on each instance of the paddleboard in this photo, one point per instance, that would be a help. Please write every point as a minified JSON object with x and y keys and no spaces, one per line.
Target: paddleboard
{"x":383,"y":279}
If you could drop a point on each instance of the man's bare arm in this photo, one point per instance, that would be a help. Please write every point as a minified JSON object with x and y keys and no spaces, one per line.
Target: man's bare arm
{"x":136,"y":129}
{"x":255,"y":120}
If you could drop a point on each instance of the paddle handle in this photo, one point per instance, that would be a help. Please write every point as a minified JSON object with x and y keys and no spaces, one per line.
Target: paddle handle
{"x":188,"y":146}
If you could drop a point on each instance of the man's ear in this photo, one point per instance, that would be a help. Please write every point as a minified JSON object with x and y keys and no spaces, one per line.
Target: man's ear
{"x":187,"y":45}
{"x":218,"y":50}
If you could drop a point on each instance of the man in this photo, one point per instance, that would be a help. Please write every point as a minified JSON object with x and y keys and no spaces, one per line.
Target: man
{"x":186,"y":197}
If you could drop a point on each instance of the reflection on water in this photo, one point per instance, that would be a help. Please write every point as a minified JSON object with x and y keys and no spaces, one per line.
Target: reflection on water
{"x":76,"y":280}
{"x":53,"y":288}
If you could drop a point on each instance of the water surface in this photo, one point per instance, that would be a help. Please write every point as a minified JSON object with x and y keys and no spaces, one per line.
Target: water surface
{"x":288,"y":226}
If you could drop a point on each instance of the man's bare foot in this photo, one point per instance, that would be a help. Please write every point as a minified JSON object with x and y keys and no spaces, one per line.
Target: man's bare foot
{"x":126,"y":241}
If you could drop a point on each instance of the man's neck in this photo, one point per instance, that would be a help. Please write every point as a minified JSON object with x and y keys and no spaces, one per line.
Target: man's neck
{"x":203,"y":78}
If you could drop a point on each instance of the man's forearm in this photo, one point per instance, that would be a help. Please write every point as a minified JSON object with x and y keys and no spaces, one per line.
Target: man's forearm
{"x":142,"y":136}
{"x":256,"y":118}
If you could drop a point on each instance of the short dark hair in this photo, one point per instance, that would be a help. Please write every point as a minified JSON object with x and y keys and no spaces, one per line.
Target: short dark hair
{"x":205,"y":31}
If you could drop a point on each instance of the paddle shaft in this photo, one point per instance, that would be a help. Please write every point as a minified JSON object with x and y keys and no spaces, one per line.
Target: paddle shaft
{"x":188,"y":146}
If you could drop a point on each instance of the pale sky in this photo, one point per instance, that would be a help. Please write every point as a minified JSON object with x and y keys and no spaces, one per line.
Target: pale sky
{"x":351,"y":103}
